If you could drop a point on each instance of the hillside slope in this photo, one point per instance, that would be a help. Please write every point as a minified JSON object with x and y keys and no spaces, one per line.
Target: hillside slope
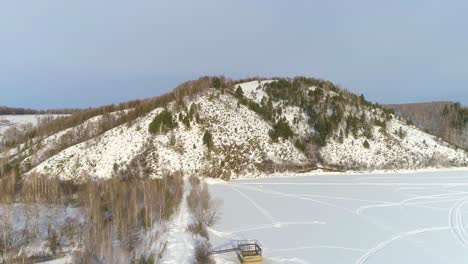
{"x":228,"y":129}
{"x":240,"y":138}
{"x":447,"y":120}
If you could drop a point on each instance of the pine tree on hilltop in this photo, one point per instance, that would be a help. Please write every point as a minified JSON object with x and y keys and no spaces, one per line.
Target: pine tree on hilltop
{"x":208,"y":139}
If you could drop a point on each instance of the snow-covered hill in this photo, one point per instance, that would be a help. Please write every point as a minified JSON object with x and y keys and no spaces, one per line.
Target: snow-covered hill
{"x":240,"y":137}
{"x":241,"y":124}
{"x":388,"y":151}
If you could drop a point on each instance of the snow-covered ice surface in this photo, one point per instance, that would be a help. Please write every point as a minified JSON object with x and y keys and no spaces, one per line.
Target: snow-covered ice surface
{"x":418,"y":217}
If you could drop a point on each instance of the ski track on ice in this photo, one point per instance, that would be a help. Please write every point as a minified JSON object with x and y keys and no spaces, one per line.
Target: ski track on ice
{"x":317,"y":247}
{"x":265,"y":226}
{"x":456,"y":226}
{"x":386,"y":243}
{"x":404,"y":202}
{"x":455,"y":219}
{"x":256,"y":205}
{"x":409,"y":177}
{"x":297,"y":197}
{"x":448,"y":184}
{"x":370,"y":220}
{"x":290,"y":260}
{"x":455,"y":215}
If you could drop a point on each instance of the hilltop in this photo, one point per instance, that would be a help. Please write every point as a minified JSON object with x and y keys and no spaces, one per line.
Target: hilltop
{"x":227,"y":129}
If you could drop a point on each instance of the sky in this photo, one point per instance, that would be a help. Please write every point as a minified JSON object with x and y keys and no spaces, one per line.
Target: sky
{"x":60,"y":54}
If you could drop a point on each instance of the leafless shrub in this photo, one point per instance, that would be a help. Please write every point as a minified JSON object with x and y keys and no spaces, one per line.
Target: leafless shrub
{"x":205,"y":210}
{"x":201,"y":254}
{"x":121,"y":208}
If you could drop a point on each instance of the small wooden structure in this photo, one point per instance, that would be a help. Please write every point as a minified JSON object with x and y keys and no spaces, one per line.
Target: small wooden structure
{"x":248,"y":251}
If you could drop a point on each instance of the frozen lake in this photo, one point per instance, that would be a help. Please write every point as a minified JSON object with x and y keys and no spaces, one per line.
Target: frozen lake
{"x":380,"y":218}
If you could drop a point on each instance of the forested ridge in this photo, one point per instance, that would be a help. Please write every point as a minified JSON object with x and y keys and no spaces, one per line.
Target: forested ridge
{"x":448,"y":120}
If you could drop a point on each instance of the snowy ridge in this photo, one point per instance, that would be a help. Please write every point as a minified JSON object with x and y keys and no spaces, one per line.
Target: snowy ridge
{"x":41,"y":147}
{"x":242,"y":146}
{"x":387,"y":151}
{"x":240,"y":137}
{"x":97,"y":156}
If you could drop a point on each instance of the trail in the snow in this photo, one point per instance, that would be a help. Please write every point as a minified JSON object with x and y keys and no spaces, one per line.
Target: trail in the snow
{"x":393,"y":177}
{"x":265,"y":226}
{"x":448,"y":184}
{"x":370,"y":220}
{"x":296,"y":197}
{"x":388,"y":242}
{"x":455,"y":219}
{"x":180,"y":241}
{"x":404,"y":231}
{"x":256,"y":205}
{"x":317,"y":247}
{"x":361,"y":209}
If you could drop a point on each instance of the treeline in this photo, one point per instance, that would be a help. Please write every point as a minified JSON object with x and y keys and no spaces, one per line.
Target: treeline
{"x":447,"y":120}
{"x":4,"y":110}
{"x":118,"y":212}
{"x":206,"y":212}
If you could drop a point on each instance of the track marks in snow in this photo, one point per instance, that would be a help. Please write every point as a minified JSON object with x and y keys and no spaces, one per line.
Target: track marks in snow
{"x":265,"y":226}
{"x":447,"y":184}
{"x":297,"y":196}
{"x":180,"y":242}
{"x":405,"y":202}
{"x":455,"y":219}
{"x":256,"y":205}
{"x":318,"y":247}
{"x":371,"y":252}
{"x":287,"y":260}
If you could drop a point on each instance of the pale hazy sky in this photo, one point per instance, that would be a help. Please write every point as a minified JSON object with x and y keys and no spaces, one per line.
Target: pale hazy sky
{"x":56,"y":53}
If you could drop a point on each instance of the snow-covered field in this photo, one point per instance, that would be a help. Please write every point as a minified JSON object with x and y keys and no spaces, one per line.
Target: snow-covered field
{"x":7,"y":121}
{"x":419,"y":217}
{"x":18,"y":121}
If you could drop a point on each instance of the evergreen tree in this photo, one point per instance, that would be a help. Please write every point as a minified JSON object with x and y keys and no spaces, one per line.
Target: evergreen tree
{"x":208,"y":139}
{"x":281,"y":129}
{"x":162,"y":123}
{"x":366,"y":144}
{"x":341,"y":137}
{"x":239,"y":92}
{"x":401,"y":133}
{"x":217,"y":82}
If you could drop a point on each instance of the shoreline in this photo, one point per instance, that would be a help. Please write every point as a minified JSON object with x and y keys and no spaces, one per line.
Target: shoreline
{"x":321,"y":172}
